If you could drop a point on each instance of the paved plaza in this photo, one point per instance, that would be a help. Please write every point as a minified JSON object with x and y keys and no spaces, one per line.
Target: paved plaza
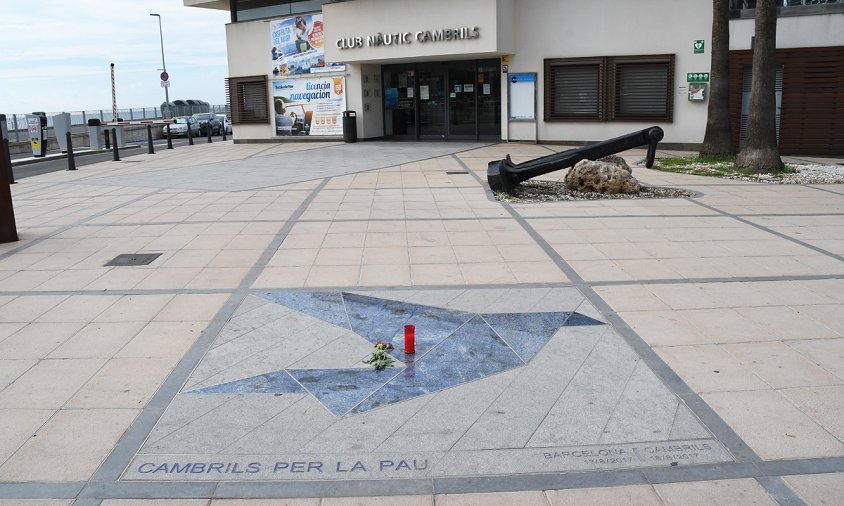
{"x":649,"y":351}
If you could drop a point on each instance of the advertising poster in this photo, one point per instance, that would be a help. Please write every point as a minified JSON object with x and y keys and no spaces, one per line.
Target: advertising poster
{"x":391,"y":98}
{"x":310,"y":106}
{"x":298,"y":46}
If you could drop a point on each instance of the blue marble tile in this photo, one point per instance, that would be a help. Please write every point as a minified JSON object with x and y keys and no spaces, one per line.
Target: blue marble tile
{"x":526,"y":333}
{"x":340,"y":390}
{"x":474,"y":351}
{"x":327,"y":306}
{"x":382,"y":319}
{"x":277,"y":382}
{"x":581,"y":319}
{"x":452,"y":348}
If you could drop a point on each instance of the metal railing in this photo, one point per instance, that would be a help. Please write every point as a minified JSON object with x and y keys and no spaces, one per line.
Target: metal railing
{"x":751,"y":4}
{"x":16,"y":123}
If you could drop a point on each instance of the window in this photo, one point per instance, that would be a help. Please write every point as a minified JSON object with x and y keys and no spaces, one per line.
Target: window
{"x":745,"y":9}
{"x":612,"y":88}
{"x":248,"y":100}
{"x":576,"y":90}
{"x":247,"y":10}
{"x":751,"y":4}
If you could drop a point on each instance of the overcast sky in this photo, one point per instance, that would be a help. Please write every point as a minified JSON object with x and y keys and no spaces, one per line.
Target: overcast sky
{"x":55,"y":54}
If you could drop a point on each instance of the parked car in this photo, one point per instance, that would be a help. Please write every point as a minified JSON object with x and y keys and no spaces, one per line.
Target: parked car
{"x":180,"y":127}
{"x":226,"y":123}
{"x":204,"y":118}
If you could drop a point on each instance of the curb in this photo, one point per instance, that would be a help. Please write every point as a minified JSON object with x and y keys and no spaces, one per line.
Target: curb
{"x":63,"y":156}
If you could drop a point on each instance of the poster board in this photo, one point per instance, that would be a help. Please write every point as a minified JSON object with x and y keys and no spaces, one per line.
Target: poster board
{"x":521,"y":96}
{"x":312,"y":106}
{"x":297,"y":46}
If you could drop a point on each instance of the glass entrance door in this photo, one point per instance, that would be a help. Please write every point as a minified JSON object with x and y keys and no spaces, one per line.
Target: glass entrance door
{"x":399,"y":101}
{"x":489,"y":99}
{"x":455,"y":100}
{"x":432,"y":101}
{"x":462,"y":114}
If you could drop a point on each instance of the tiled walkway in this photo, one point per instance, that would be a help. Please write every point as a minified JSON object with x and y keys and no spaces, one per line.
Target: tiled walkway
{"x":629,"y":351}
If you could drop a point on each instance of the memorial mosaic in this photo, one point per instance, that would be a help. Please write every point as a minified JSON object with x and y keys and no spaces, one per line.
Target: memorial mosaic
{"x":502,"y":381}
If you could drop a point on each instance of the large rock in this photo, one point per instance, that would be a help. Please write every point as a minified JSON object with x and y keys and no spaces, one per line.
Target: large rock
{"x":617,"y":160}
{"x":602,"y":176}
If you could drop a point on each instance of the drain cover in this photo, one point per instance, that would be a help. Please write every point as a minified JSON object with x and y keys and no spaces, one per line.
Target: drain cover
{"x":131,"y":259}
{"x":456,"y":172}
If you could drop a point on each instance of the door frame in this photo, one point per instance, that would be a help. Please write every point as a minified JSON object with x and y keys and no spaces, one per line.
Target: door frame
{"x":414,"y":66}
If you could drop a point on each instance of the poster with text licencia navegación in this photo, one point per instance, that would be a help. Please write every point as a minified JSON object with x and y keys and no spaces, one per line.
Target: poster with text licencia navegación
{"x":309,"y":106}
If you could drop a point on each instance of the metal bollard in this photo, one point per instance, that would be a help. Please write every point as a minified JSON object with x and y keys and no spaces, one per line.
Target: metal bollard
{"x":190,"y":134}
{"x":114,"y":145}
{"x":224,"y":132}
{"x":150,"y":148}
{"x":169,"y":138}
{"x":107,"y":137}
{"x":8,"y":158}
{"x":8,"y":229}
{"x":209,"y":129}
{"x":71,"y":162}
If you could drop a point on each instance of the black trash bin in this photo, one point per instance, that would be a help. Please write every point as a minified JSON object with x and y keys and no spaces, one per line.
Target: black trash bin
{"x":350,"y":126}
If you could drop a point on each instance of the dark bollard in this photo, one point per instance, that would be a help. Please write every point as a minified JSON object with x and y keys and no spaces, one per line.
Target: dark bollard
{"x":190,"y":135}
{"x":114,"y":145}
{"x":8,"y":158}
{"x":107,"y":137}
{"x":209,"y":129}
{"x":169,"y":138}
{"x":8,"y":228}
{"x":224,"y":132}
{"x":504,"y":175}
{"x":71,"y":162}
{"x":150,"y":147}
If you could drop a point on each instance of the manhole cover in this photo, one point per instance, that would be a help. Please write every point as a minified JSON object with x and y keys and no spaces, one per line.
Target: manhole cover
{"x":131,"y":259}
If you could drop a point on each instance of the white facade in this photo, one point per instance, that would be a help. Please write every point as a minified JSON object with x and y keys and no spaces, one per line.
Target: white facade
{"x":527,"y":32}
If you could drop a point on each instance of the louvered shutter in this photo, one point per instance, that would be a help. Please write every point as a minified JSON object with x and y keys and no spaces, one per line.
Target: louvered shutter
{"x":249,"y":100}
{"x":576,"y":91}
{"x":641,"y":90}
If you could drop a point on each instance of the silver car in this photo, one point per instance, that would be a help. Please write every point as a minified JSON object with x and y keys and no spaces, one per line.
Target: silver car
{"x":226,"y":123}
{"x":180,"y":127}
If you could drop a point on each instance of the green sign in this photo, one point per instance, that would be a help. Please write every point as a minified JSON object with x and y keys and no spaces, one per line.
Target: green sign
{"x":697,"y":77}
{"x":698,"y":46}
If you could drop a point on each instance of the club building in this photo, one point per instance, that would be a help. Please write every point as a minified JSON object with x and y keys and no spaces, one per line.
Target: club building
{"x":520,"y":70}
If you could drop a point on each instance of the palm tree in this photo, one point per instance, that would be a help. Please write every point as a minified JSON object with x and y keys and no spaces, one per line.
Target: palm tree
{"x":718,"y":139}
{"x":760,"y":153}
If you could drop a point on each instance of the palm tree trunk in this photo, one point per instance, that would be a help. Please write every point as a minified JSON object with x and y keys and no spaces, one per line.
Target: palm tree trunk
{"x":718,"y":139}
{"x":760,"y":153}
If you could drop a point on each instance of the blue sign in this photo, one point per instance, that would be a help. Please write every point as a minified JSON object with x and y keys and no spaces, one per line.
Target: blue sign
{"x":522,"y":78}
{"x":165,"y":76}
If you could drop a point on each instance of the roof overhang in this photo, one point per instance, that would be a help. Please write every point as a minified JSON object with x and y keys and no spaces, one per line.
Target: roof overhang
{"x":222,"y":5}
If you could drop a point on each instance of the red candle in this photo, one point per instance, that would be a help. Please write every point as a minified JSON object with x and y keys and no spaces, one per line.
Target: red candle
{"x":409,"y":339}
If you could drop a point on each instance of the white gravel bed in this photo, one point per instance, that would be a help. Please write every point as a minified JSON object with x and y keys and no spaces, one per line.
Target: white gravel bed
{"x":554,"y":191}
{"x":807,"y":174}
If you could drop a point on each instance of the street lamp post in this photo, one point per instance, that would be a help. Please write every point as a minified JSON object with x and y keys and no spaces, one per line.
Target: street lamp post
{"x":163,"y":65}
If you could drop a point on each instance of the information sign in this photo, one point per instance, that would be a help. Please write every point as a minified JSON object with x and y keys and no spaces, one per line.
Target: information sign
{"x":522,"y":96}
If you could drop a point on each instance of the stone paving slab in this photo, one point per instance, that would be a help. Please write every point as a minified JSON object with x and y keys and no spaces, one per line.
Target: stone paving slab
{"x":274,"y":170}
{"x":715,"y":320}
